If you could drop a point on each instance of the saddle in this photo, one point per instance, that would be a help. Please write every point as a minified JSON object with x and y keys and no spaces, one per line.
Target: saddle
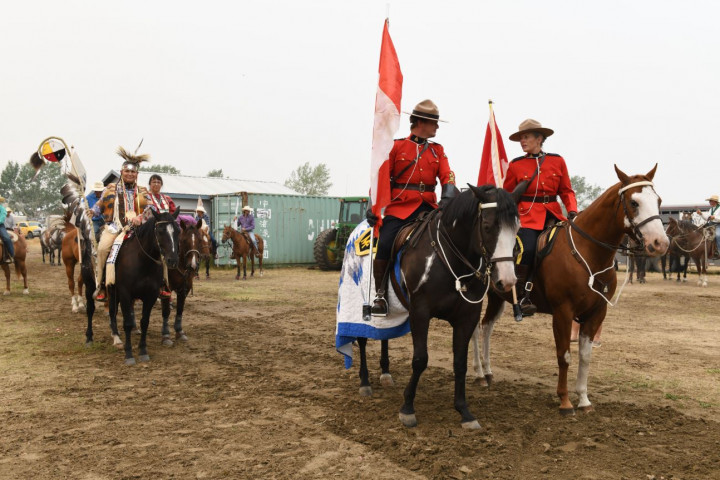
{"x":407,"y":236}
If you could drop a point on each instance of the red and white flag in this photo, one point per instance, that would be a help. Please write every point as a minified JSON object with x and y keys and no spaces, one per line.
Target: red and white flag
{"x":494,"y":162}
{"x":387,"y":121}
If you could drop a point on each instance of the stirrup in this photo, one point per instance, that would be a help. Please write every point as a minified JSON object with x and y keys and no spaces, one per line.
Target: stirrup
{"x":379,"y":307}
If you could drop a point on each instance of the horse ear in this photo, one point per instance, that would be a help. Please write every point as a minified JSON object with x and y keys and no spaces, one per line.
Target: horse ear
{"x":651,"y":173}
{"x":476,"y":191}
{"x":177,"y":212}
{"x":182,"y":224}
{"x":520,"y":188}
{"x":198,"y":225}
{"x":622,"y":176}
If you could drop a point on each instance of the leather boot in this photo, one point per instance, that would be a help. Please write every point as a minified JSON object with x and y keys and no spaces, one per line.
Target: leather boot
{"x":524,"y":276}
{"x":380,"y":305}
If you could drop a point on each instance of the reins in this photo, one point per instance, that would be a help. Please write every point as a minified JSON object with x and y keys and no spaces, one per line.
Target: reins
{"x":157,"y":242}
{"x":480,"y":273}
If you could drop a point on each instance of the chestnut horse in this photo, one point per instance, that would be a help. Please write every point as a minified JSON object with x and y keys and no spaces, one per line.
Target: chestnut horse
{"x":577,"y":278}
{"x":20,"y":267}
{"x":242,"y":248}
{"x":696,"y":242}
{"x":71,"y":257}
{"x":180,"y":278}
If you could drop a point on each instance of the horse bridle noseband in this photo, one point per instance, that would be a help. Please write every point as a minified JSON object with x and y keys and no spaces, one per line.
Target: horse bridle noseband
{"x":157,"y":242}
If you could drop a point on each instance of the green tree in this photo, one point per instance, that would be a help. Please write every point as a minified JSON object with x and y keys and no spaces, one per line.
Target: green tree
{"x":38,"y":198}
{"x":160,"y":169}
{"x":585,"y":192}
{"x":216,"y":173}
{"x":310,"y":180}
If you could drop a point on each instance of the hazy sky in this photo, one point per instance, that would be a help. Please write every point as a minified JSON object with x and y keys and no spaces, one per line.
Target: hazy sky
{"x":257,"y":88}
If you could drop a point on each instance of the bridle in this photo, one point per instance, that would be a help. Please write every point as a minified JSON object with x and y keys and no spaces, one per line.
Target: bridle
{"x":481,"y":273}
{"x":635,"y":233}
{"x":157,"y":241}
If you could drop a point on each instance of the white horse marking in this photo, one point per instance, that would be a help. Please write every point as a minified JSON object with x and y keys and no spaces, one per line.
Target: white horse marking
{"x":585,"y":354}
{"x":426,"y":274}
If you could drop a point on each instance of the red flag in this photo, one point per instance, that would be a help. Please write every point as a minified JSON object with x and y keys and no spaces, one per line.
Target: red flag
{"x":494,"y":162}
{"x":387,"y":121}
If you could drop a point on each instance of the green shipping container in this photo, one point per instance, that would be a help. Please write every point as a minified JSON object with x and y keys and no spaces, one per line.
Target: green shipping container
{"x":289,"y":224}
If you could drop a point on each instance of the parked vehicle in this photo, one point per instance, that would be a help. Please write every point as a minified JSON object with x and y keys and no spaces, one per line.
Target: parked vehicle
{"x":30,"y":229}
{"x":329,"y":247}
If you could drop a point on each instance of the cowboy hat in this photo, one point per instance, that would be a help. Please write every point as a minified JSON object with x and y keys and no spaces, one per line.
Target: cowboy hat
{"x":713,"y":198}
{"x":530,"y":125}
{"x":247,"y":208}
{"x":2,"y":199}
{"x":427,"y":110}
{"x":98,"y":186}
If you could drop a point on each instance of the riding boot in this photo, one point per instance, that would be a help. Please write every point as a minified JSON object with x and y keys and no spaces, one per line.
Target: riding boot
{"x":380,"y":304}
{"x":524,"y":280}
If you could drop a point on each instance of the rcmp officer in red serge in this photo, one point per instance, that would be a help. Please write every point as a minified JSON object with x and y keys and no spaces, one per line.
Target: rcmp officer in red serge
{"x":417,"y":165}
{"x":538,"y":207}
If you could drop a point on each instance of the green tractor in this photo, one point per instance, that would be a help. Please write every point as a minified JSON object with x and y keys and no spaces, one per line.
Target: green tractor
{"x":329,"y":247}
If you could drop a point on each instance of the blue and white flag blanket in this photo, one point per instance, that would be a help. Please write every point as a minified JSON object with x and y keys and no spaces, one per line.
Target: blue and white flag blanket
{"x":353,"y":294}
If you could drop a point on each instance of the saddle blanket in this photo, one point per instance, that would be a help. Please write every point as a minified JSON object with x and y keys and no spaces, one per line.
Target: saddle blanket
{"x":353,"y":291}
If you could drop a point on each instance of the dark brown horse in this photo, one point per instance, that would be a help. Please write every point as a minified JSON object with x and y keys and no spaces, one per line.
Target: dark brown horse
{"x":577,"y":279}
{"x":675,"y":260}
{"x":139,"y":275}
{"x":20,"y":267}
{"x":445,"y":274}
{"x":180,"y":279}
{"x":49,"y":248}
{"x":242,"y":249}
{"x":696,"y":242}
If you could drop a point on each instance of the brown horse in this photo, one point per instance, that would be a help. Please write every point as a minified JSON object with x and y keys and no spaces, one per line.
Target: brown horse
{"x":71,"y":257}
{"x":242,"y":248}
{"x":577,"y":278}
{"x":20,"y":267}
{"x":689,"y":239}
{"x":180,"y":278}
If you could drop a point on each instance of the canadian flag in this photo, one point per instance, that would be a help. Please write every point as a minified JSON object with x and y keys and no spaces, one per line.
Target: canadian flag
{"x":387,"y":121}
{"x":494,"y":162}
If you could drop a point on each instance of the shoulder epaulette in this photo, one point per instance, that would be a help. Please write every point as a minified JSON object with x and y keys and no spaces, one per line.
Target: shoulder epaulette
{"x":552,"y":154}
{"x":434,"y":143}
{"x":518,"y":158}
{"x":398,"y":139}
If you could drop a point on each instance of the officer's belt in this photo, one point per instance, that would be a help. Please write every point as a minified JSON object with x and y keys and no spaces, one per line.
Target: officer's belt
{"x":539,"y":198}
{"x":420,"y":187}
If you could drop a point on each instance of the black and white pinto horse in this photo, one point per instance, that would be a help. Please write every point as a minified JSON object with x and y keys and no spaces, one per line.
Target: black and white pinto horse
{"x":139,"y":275}
{"x":446,"y":273}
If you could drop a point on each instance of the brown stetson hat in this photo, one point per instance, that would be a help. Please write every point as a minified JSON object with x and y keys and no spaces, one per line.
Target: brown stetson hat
{"x":427,"y":110}
{"x":530,"y":125}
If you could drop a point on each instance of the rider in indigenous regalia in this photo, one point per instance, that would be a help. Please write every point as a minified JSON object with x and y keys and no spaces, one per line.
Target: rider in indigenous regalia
{"x":122,"y":205}
{"x":415,"y":164}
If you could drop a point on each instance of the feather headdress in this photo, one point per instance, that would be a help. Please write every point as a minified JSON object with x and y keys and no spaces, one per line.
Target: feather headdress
{"x":132,"y":158}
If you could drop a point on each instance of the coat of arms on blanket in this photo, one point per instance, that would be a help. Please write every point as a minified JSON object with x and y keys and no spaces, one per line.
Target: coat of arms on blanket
{"x":362,"y":243}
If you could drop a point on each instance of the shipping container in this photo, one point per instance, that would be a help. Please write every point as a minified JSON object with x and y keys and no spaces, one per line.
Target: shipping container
{"x":288,"y":224}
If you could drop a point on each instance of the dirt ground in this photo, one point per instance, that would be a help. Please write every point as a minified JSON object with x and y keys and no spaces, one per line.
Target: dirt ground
{"x":260,"y":392}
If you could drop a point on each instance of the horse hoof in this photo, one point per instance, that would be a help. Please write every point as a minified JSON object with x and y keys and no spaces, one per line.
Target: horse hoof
{"x":181,"y":336}
{"x":386,"y":380}
{"x":74,"y":309}
{"x":567,"y":412}
{"x":237,"y":277}
{"x":489,"y":379}
{"x":7,"y":292}
{"x":586,"y":409}
{"x":166,"y":341}
{"x":474,"y":425}
{"x":366,"y":391}
{"x":117,"y":343}
{"x":408,"y":420}
{"x":130,"y":361}
{"x":89,"y":343}
{"x":27,"y":291}
{"x":144,"y":358}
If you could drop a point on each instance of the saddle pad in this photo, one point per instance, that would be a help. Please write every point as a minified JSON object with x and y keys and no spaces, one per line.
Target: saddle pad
{"x":13,"y":236}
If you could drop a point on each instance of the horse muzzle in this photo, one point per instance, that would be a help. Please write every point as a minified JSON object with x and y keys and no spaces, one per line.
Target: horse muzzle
{"x":656,"y":245}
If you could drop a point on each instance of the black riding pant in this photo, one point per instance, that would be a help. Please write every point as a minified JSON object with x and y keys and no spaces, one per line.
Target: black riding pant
{"x":390,"y":228}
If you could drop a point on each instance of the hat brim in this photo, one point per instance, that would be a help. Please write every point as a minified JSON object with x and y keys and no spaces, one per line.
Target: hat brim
{"x":420,"y":115}
{"x":515,"y":137}
{"x":711,"y":199}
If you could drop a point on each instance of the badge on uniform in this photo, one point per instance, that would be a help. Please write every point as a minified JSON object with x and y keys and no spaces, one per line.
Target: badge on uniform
{"x":362,"y":244}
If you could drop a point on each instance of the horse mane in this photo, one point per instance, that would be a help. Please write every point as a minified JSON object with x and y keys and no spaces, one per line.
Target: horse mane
{"x":687,"y":225}
{"x":465,"y":206}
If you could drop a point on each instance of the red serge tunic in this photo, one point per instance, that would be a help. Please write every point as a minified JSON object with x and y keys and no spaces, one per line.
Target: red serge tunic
{"x":432,"y":164}
{"x":552,"y":180}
